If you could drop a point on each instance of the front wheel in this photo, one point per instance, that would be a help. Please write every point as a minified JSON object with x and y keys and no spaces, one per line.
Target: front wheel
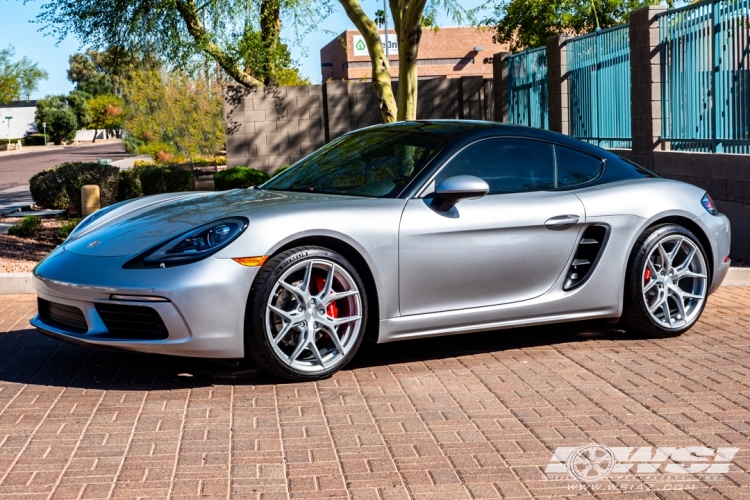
{"x":667,"y":281}
{"x":307,"y":314}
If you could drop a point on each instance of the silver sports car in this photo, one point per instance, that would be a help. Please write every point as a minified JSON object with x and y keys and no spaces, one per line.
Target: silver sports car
{"x":393,"y":232}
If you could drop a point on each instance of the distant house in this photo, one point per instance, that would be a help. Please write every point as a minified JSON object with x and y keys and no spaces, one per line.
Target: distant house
{"x":445,"y":53}
{"x":21,"y":121}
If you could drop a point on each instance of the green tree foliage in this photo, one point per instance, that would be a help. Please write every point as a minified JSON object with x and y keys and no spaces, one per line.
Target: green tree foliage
{"x":528,"y":23}
{"x":59,"y":116}
{"x":18,"y":79}
{"x":78,"y":102}
{"x":279,"y":71}
{"x":99,"y":73}
{"x":185,"y":32}
{"x":173,"y":114}
{"x":107,"y":113}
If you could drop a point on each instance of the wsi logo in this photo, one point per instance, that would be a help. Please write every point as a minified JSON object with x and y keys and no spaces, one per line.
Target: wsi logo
{"x":594,"y":462}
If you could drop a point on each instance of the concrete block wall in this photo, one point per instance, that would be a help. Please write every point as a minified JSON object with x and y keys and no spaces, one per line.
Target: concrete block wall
{"x":272,"y":127}
{"x":268,"y":128}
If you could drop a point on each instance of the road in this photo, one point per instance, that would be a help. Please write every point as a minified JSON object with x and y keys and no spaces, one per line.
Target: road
{"x":468,"y":416}
{"x":16,"y":170}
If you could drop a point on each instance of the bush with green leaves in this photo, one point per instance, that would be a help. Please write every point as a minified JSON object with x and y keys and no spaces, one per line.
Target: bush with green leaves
{"x":131,"y":144}
{"x":79,"y":174}
{"x":157,"y":179}
{"x":48,"y":189}
{"x":238,"y":178}
{"x":64,"y":231}
{"x":129,"y":183}
{"x":29,"y":226}
{"x":281,"y":170}
{"x":34,"y":140}
{"x":59,"y":188}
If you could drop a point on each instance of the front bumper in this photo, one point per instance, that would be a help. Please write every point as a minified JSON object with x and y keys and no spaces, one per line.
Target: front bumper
{"x":204,"y":310}
{"x":719,"y":232}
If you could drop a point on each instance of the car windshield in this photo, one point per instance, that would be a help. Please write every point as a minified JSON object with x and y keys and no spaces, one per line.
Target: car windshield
{"x":373,"y":163}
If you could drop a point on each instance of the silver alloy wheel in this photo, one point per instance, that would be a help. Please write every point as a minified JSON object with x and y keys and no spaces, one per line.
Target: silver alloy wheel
{"x":314,"y":315}
{"x":674,"y":282}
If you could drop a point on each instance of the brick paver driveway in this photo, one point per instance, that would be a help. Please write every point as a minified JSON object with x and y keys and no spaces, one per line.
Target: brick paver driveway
{"x":456,"y":417}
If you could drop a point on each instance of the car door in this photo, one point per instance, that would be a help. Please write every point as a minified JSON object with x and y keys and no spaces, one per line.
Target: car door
{"x":508,"y":246}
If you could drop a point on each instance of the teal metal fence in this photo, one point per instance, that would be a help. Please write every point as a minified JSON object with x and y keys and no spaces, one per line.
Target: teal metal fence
{"x":705,"y":75}
{"x":527,"y":88}
{"x":598,"y":67}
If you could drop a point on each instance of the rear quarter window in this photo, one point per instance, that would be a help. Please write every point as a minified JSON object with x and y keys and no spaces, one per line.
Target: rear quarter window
{"x":575,"y":168}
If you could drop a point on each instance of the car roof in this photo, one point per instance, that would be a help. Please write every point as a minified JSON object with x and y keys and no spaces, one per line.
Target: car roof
{"x":469,"y":130}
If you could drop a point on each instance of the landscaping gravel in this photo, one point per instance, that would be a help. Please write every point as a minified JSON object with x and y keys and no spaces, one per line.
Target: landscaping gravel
{"x":20,"y":255}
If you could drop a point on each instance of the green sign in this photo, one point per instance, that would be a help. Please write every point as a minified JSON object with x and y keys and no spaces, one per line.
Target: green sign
{"x":360,"y":45}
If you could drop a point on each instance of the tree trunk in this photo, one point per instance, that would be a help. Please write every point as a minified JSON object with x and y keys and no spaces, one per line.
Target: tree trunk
{"x":96,"y":131}
{"x":270,"y":27}
{"x":409,"y":36}
{"x":381,"y":72}
{"x":202,"y":38}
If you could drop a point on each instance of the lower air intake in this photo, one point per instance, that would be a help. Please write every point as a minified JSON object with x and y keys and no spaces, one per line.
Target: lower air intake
{"x":132,"y":322}
{"x":61,"y":316}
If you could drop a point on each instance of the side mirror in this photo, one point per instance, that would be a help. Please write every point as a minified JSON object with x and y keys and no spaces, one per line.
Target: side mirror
{"x":459,"y":187}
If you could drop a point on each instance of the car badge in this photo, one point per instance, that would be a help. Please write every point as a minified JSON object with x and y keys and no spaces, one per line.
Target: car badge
{"x":93,"y":244}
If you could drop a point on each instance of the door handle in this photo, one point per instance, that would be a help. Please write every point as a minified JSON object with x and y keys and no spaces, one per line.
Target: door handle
{"x":562,"y":222}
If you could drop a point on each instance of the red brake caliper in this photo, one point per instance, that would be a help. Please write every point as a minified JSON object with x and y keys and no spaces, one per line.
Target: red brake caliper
{"x":647,"y":276}
{"x":332,"y":310}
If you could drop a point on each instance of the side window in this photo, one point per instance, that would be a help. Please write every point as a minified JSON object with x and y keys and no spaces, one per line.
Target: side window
{"x":507,"y":165}
{"x":574,"y":168}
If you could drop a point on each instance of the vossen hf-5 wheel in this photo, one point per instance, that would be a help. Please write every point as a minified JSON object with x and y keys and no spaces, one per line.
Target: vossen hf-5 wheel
{"x":667,"y":281}
{"x":308,"y":312}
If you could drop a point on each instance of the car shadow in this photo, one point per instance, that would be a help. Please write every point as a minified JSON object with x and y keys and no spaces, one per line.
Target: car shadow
{"x":28,"y":357}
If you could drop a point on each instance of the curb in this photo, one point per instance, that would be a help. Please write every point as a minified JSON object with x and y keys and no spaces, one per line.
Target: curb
{"x":15,"y":283}
{"x":737,"y":276}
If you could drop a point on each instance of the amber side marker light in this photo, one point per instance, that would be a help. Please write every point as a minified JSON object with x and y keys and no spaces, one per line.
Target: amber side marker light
{"x":251,"y":261}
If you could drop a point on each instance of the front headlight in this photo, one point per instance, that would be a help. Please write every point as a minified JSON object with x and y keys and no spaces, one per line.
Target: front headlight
{"x":192,"y":246}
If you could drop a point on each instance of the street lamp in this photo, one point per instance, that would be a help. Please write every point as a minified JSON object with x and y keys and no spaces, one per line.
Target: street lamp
{"x":385,"y":24}
{"x":9,"y":118}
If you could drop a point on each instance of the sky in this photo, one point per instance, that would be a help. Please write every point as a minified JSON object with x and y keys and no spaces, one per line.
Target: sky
{"x":17,"y":29}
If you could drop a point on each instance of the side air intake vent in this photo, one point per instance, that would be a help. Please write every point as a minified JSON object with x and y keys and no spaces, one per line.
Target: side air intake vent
{"x":587,"y":254}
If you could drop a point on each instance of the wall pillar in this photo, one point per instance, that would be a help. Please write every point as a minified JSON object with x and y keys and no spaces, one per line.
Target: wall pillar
{"x":500,"y":86}
{"x":557,"y":83}
{"x":645,"y":78}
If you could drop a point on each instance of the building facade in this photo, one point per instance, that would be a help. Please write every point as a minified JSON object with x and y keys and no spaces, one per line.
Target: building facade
{"x":443,"y":53}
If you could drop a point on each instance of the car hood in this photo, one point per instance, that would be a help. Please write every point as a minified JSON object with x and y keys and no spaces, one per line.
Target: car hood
{"x":145,"y":223}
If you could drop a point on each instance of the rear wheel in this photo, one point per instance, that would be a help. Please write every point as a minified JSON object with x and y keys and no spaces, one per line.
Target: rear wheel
{"x":667,"y":281}
{"x":308,"y":312}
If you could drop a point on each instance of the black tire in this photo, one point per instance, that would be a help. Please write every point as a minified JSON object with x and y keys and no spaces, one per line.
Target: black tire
{"x":257,"y":344}
{"x":636,"y":316}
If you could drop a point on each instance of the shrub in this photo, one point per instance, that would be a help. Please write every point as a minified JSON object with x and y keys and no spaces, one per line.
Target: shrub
{"x":79,"y":174}
{"x":48,"y":190}
{"x":34,"y":140}
{"x":281,"y":170}
{"x":132,"y":144}
{"x":238,"y":178}
{"x":156,"y":180}
{"x":64,"y":231}
{"x":59,"y":188}
{"x":29,"y":226}
{"x":129,"y":183}
{"x":143,"y":163}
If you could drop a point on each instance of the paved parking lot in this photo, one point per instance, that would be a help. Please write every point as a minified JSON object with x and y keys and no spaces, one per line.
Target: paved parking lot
{"x":473,"y":416}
